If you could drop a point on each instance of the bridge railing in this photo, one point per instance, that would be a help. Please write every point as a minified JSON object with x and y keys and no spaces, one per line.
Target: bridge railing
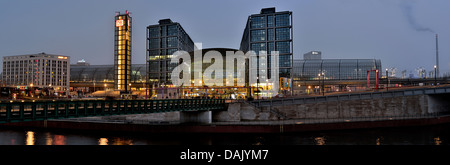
{"x":350,"y":96}
{"x":43,"y":110}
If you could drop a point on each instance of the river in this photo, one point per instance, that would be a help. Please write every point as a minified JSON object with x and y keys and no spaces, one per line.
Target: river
{"x":424,"y":135}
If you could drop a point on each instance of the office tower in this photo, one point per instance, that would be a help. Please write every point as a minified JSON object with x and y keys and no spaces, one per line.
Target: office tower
{"x":163,"y":40}
{"x":270,"y":31}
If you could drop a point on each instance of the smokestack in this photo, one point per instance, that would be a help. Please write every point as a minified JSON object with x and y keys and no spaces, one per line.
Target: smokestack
{"x":437,"y":57}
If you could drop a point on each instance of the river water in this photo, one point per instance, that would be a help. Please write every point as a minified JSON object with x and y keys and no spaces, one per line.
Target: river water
{"x":424,"y":135}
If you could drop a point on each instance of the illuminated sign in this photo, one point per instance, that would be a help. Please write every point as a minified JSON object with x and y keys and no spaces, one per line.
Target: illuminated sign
{"x":62,"y":57}
{"x":119,"y":23}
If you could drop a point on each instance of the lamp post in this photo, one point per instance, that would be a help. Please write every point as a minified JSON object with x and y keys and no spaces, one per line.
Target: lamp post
{"x":387,"y":80}
{"x":323,"y":84}
{"x":267,"y":87}
{"x":435,"y":82}
{"x":319,"y":82}
{"x":257,"y":87}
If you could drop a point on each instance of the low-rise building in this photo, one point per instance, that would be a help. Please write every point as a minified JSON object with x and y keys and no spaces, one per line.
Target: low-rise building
{"x":38,"y":71}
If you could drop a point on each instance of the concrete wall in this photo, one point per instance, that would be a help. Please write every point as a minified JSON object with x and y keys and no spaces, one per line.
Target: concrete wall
{"x":204,"y":117}
{"x":439,"y":103}
{"x":397,"y":106}
{"x":152,"y":117}
{"x":233,"y":113}
{"x":394,"y":106}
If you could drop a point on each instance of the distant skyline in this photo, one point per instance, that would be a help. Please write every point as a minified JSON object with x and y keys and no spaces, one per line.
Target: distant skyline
{"x":399,"y":32}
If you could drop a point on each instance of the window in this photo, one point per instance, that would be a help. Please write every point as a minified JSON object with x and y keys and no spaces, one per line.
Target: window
{"x":258,"y":47}
{"x":163,"y":42}
{"x":154,"y":43}
{"x":258,"y":22}
{"x":270,"y":21}
{"x":171,"y":51}
{"x":270,"y":34}
{"x":270,"y":47}
{"x":153,"y":66}
{"x":282,"y":20}
{"x":283,"y":47}
{"x":153,"y":52}
{"x":163,"y":30}
{"x":285,"y":60}
{"x":153,"y":32}
{"x":172,"y":30}
{"x":283,"y":34}
{"x":172,"y":42}
{"x":258,"y":35}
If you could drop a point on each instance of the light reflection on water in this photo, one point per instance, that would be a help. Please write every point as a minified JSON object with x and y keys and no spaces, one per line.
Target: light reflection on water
{"x":30,"y":138}
{"x":432,"y":135}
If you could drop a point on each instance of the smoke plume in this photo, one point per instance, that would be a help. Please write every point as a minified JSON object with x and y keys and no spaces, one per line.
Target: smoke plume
{"x":407,"y":9}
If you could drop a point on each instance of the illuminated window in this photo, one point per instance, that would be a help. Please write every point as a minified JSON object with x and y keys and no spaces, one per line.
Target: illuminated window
{"x":119,"y":23}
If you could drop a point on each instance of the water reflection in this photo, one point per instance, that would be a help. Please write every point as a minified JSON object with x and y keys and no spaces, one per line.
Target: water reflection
{"x":433,"y":135}
{"x":48,"y":139}
{"x":121,"y":141}
{"x":379,"y":140}
{"x":437,"y":141}
{"x":320,"y":141}
{"x":30,"y":138}
{"x":103,"y":141}
{"x":59,"y":140}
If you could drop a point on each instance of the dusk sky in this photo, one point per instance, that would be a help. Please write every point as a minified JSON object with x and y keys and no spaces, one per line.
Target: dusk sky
{"x":399,"y":32}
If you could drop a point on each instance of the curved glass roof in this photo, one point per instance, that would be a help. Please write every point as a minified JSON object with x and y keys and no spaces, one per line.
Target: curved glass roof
{"x":335,"y":69}
{"x":104,"y":73}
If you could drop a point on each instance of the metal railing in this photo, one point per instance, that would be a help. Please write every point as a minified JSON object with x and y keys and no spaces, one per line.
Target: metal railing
{"x":351,"y":96}
{"x":43,"y":110}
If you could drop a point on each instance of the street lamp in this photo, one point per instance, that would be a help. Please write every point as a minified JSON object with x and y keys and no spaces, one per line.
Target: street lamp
{"x":319,"y":82}
{"x":323,"y":84}
{"x":435,"y":83}
{"x":387,"y":79}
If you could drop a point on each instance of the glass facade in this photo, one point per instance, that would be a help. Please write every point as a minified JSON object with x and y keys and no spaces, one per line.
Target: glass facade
{"x":335,"y":69}
{"x":258,"y":35}
{"x":103,"y":73}
{"x":163,"y":40}
{"x":122,"y":52}
{"x":282,"y":20}
{"x":283,"y":34}
{"x":270,"y":31}
{"x":258,"y":22}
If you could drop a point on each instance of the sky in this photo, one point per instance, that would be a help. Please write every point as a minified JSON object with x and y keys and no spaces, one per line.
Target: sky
{"x":401,"y":33}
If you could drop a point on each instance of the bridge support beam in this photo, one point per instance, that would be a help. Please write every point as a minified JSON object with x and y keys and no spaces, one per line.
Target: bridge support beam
{"x":204,"y":117}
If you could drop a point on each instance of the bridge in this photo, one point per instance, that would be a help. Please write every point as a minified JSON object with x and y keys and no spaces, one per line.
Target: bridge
{"x":418,"y":100}
{"x":355,"y":96}
{"x":20,"y":111}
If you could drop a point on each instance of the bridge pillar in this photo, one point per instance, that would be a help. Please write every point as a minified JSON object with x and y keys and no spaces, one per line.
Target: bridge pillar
{"x":204,"y":117}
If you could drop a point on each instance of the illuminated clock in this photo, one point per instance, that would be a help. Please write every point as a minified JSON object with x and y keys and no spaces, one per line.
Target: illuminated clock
{"x":119,"y":23}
